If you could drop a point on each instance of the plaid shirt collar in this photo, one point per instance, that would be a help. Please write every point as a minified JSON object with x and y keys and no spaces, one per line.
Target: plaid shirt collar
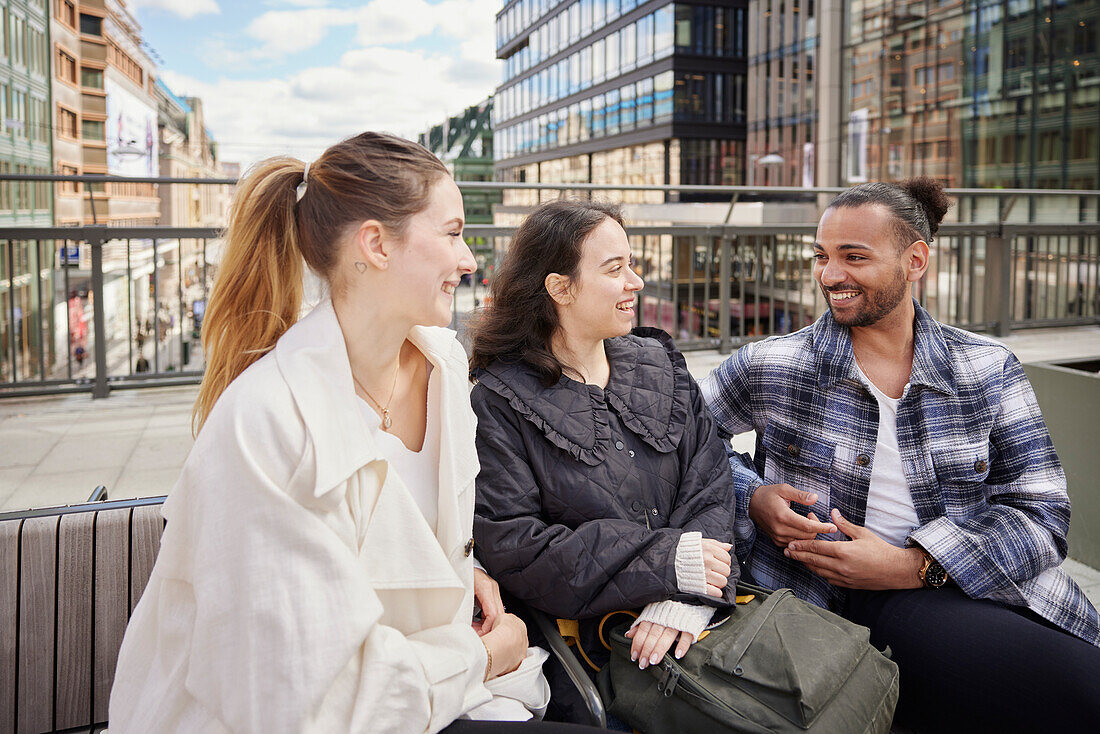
{"x":831,"y":345}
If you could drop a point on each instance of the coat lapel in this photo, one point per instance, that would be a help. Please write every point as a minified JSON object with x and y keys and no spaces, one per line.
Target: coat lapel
{"x":313,"y":359}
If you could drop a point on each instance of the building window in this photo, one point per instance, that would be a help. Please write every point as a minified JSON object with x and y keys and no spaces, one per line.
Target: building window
{"x":66,"y":66}
{"x":91,"y":77}
{"x":91,"y":25}
{"x":65,"y":11}
{"x":66,"y":123}
{"x":125,"y":63}
{"x":92,"y":130}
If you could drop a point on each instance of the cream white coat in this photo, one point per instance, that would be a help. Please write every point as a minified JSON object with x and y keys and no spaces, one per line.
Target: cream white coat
{"x":298,"y":587}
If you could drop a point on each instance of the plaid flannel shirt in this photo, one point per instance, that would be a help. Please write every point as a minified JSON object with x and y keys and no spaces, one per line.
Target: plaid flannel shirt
{"x":987,"y":486}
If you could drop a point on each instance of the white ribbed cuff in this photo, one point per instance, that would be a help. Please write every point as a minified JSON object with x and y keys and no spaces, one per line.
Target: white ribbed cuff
{"x":691,"y":572}
{"x":677,"y":615}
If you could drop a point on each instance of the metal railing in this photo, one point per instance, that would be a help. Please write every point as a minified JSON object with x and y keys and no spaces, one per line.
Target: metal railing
{"x":94,"y":308}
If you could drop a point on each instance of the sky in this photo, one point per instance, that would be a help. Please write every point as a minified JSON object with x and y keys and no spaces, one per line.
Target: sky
{"x":291,"y":77}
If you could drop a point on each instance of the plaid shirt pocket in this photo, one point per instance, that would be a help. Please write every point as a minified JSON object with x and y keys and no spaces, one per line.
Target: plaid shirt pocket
{"x":801,"y":461}
{"x":962,"y":470}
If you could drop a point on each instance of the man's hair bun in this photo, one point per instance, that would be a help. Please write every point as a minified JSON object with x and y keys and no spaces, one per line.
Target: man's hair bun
{"x":929,"y":194}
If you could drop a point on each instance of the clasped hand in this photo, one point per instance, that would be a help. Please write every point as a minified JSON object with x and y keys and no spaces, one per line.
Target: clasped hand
{"x":865,"y":562}
{"x":504,"y":634}
{"x":649,"y":642}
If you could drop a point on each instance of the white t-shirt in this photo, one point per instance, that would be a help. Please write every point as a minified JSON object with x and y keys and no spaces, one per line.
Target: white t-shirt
{"x":419,"y":470}
{"x":890,"y":511}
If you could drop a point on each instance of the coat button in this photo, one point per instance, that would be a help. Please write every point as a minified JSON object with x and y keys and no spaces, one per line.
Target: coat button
{"x":630,"y":453}
{"x":619,"y":445}
{"x":792,"y":451}
{"x":636,"y":505}
{"x":469,"y":547}
{"x":653,"y":511}
{"x":980,"y":466}
{"x":863,"y":459}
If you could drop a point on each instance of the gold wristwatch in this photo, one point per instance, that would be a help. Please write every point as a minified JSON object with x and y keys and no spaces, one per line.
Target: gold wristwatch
{"x":932,"y":574}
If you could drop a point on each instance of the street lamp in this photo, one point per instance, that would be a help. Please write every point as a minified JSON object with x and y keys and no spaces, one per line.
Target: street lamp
{"x":770,"y":159}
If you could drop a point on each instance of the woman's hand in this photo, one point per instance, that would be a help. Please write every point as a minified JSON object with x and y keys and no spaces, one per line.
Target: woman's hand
{"x":650,"y":642}
{"x":718,"y":564}
{"x":506,"y":640}
{"x":487,"y":593}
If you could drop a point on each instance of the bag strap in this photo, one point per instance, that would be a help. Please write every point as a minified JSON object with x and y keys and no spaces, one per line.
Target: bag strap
{"x":603,"y":623}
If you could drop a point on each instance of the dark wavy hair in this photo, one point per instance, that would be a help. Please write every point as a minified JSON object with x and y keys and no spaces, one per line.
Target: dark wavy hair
{"x":918,"y":205}
{"x":521,"y":319}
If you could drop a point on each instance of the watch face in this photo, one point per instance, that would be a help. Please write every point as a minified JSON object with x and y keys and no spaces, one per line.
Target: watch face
{"x":935,"y":576}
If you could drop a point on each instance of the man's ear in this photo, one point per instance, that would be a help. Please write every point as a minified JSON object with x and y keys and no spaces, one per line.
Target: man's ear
{"x":916,"y":261}
{"x":371,"y":244}
{"x":560,"y":288}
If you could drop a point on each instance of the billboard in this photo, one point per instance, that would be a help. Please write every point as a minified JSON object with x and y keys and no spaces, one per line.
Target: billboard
{"x":131,"y":133}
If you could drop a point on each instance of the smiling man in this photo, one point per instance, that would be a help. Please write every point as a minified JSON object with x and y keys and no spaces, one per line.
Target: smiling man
{"x":922,"y":448}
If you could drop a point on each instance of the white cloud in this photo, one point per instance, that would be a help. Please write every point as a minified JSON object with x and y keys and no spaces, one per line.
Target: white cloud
{"x":376,"y":88}
{"x":382,"y":82}
{"x":378,"y":23}
{"x":182,"y":8}
{"x":288,"y":31}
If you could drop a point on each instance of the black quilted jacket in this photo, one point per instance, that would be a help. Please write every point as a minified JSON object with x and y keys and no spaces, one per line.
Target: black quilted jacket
{"x":584,"y":492}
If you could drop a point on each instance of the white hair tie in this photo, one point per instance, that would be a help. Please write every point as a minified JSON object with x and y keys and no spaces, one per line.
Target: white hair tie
{"x":300,"y":191}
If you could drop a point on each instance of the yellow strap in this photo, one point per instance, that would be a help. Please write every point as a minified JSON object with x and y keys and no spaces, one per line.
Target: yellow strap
{"x":603,"y":640}
{"x":745,"y":599}
{"x":570,"y":631}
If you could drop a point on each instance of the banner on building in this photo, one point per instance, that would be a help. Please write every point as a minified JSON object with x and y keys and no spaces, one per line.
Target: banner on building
{"x":858,"y":130}
{"x":131,"y":133}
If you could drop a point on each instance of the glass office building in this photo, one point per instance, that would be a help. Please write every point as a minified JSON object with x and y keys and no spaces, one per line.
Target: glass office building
{"x":620,"y":91}
{"x":784,"y":97}
{"x":981,"y":93}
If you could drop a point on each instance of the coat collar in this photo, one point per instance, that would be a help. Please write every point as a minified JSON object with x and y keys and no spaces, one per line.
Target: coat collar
{"x":313,"y":360}
{"x":573,"y":415}
{"x":832,"y":348}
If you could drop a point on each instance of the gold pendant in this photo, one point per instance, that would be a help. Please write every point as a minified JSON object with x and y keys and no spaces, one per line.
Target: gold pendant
{"x":386,"y":422}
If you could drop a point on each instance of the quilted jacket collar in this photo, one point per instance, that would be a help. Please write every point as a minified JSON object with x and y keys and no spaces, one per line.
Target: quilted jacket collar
{"x":573,"y":416}
{"x":832,"y":345}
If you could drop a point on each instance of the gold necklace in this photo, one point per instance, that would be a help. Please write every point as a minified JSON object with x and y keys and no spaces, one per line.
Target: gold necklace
{"x":386,"y":420}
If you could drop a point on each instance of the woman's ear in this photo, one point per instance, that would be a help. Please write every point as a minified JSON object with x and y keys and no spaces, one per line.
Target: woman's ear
{"x":372,"y":246}
{"x":560,"y":288}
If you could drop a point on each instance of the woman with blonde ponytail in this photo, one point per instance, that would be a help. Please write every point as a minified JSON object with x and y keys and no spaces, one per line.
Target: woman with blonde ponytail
{"x":315,"y":573}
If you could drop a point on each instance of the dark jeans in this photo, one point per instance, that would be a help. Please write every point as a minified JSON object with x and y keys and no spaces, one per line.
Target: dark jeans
{"x":973,"y":666}
{"x":464,"y":726}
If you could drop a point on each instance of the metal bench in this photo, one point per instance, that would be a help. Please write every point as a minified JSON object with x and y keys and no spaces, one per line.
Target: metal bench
{"x":69,"y":580}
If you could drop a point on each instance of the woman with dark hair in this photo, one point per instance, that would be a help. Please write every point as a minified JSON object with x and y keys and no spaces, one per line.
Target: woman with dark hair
{"x":603,"y":484}
{"x":315,"y":574}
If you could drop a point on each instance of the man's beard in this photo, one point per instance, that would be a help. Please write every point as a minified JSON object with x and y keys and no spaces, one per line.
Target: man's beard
{"x":880,"y":302}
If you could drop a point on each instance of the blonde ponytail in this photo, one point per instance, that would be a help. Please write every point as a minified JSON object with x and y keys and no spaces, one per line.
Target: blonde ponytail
{"x":272,"y":230}
{"x":258,"y":291}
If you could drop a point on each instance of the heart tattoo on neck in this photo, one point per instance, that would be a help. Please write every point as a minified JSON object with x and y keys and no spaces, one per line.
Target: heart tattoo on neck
{"x":361,"y":267}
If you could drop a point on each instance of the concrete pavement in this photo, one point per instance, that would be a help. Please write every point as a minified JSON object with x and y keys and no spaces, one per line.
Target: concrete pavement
{"x":55,"y":450}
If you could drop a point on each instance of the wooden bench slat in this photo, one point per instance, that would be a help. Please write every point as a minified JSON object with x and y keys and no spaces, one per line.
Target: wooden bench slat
{"x":111,"y":602}
{"x":146,"y":527}
{"x":37,"y":599}
{"x":74,"y":621}
{"x":9,"y":615}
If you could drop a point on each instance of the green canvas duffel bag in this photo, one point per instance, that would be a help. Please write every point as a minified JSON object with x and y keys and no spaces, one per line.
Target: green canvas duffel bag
{"x":776,"y":664}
